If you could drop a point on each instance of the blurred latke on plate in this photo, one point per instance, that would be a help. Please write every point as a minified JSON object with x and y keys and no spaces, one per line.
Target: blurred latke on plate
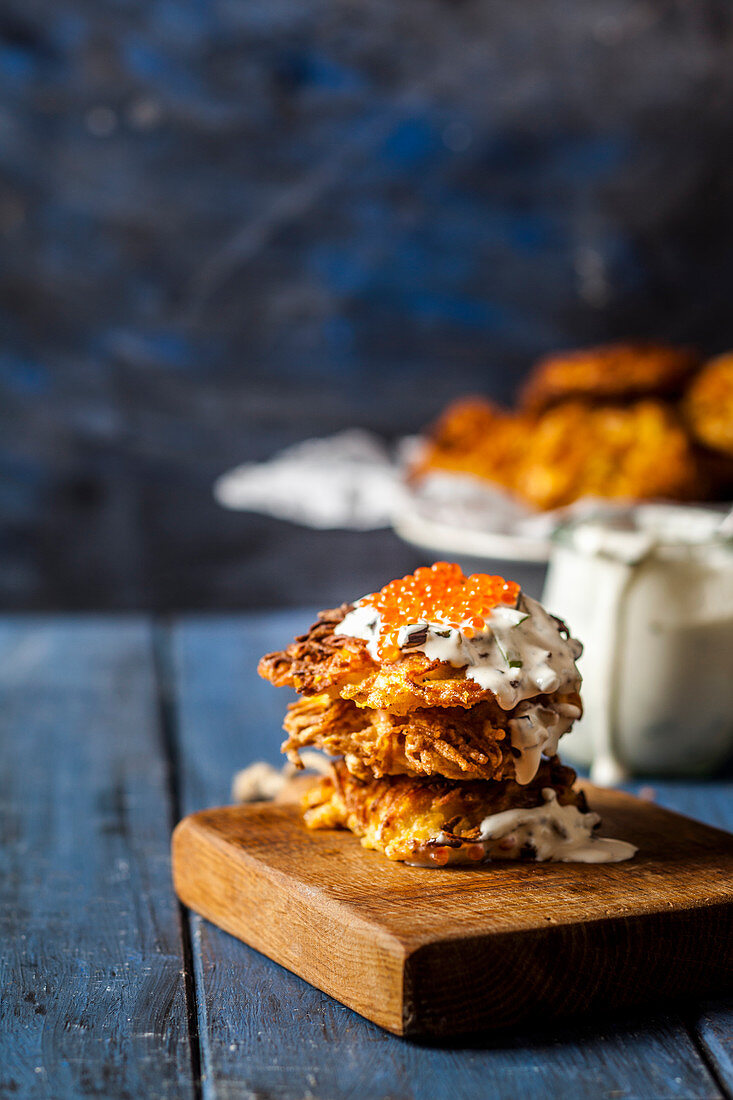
{"x":618,"y":423}
{"x":611,"y":422}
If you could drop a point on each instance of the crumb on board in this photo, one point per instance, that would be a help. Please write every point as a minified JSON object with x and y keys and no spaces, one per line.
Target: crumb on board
{"x":261,"y":782}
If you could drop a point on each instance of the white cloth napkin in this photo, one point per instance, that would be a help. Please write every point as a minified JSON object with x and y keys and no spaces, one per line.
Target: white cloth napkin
{"x":354,"y":480}
{"x":349,"y":480}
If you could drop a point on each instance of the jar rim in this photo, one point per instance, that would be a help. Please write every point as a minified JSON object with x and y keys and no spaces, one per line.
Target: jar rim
{"x":612,"y":517}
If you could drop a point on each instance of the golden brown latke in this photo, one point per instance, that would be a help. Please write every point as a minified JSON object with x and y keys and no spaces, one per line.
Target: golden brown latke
{"x":401,"y":815}
{"x":414,"y":682}
{"x":474,"y":436}
{"x":321,"y":662}
{"x":612,"y":373}
{"x":638,"y":452}
{"x":450,"y":741}
{"x":708,"y":404}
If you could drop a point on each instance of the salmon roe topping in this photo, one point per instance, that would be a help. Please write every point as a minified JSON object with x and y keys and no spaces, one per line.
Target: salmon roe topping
{"x":440,"y":593}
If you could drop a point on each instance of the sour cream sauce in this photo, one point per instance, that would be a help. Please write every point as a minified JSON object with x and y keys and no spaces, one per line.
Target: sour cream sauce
{"x":554,"y":832}
{"x":521,"y":653}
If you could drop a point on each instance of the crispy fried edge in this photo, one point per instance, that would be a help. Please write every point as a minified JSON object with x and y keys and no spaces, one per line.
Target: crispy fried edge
{"x":314,"y":661}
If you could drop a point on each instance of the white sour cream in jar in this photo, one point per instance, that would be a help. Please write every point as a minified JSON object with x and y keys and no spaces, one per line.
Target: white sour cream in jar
{"x":651,"y":590}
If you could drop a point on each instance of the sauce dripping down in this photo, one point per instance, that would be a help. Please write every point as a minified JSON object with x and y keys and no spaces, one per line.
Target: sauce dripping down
{"x":555,"y":832}
{"x":548,"y":832}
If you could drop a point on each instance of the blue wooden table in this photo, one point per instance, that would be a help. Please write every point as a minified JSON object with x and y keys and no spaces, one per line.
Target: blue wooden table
{"x":111,"y":729}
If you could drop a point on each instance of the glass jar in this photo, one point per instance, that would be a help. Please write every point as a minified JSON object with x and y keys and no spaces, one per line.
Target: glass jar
{"x":649,"y":592}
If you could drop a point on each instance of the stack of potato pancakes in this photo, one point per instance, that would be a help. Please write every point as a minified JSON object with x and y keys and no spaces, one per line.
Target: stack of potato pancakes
{"x":441,"y":699}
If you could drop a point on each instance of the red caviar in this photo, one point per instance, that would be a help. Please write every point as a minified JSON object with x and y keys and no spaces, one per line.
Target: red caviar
{"x":437,"y":593}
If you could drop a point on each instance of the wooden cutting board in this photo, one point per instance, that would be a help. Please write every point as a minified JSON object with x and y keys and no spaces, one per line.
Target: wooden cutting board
{"x":440,"y":952}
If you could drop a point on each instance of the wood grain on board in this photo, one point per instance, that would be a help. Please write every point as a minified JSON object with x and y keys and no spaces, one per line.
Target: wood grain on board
{"x":441,"y":952}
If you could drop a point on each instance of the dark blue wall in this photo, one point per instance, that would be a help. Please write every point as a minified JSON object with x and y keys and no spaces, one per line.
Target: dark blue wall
{"x":227,"y":225}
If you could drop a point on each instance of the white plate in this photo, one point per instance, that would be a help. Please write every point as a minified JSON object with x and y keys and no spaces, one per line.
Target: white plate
{"x":462,"y":518}
{"x":413,"y":523}
{"x":443,"y":538}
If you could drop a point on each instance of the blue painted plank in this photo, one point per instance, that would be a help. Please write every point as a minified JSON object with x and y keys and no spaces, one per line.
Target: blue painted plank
{"x":713,"y":1025}
{"x":93,"y":999}
{"x":711,"y":801}
{"x":707,"y":800}
{"x":266,"y":1032}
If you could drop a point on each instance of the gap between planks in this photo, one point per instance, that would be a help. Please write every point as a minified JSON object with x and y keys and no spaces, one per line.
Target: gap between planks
{"x":706,"y":1057}
{"x":167,"y":728}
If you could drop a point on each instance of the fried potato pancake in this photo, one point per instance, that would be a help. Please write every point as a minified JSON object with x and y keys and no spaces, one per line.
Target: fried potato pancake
{"x":474,"y":436}
{"x":428,"y":820}
{"x":318,"y":659}
{"x":708,"y":405}
{"x":450,"y":741}
{"x":321,"y":662}
{"x":639,"y":452}
{"x":612,"y":373}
